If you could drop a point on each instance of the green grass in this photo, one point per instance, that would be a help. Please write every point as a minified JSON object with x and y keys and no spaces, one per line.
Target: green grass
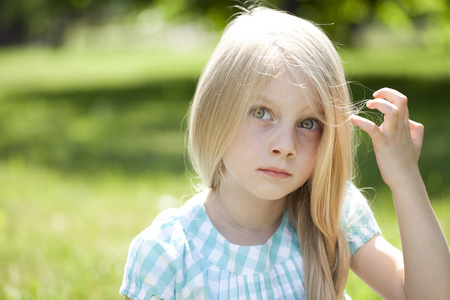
{"x":66,"y":237}
{"x":92,"y":147}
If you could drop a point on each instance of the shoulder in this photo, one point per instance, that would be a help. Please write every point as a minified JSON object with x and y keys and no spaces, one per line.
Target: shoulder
{"x":152,"y":256}
{"x":165,"y":233}
{"x":156,"y":256}
{"x":163,"y":238}
{"x":357,"y":219}
{"x":162,"y":227}
{"x":355,"y":205}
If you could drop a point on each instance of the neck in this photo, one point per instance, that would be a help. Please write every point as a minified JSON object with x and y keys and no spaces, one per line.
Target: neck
{"x":244,"y":220}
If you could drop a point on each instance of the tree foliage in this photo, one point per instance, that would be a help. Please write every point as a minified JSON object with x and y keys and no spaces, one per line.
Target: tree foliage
{"x":47,"y":21}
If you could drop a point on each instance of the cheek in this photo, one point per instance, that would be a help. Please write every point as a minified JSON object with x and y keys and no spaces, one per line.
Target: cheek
{"x":247,"y":138}
{"x":240,"y":146}
{"x":311,"y":142}
{"x":314,"y":150}
{"x":309,"y":153}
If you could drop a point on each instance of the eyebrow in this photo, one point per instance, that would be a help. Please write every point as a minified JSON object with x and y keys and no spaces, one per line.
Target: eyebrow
{"x":263,"y":99}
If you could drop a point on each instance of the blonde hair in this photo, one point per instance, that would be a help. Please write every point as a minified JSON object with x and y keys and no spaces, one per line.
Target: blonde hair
{"x":256,"y":46}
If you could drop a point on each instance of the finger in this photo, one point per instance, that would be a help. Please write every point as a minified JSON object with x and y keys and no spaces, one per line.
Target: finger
{"x":396,"y":98}
{"x":368,"y":126}
{"x":417,"y":130}
{"x":390,"y":111}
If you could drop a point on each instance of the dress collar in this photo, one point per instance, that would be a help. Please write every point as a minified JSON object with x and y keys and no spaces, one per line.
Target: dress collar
{"x":234,"y":258}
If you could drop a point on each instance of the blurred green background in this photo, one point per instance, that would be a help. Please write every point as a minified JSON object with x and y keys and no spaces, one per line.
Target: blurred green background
{"x":93,"y":99}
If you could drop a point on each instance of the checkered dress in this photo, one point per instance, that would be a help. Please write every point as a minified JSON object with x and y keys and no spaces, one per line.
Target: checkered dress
{"x":183,"y":256}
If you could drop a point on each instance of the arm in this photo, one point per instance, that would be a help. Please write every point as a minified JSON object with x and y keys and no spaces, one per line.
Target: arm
{"x":423,"y":270}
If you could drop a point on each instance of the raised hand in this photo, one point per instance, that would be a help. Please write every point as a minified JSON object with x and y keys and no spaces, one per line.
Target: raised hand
{"x":426,"y":258}
{"x":397,"y":141}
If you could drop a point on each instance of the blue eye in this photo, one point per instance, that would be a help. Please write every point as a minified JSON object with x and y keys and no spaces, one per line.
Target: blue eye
{"x":310,"y":124}
{"x":260,"y":113}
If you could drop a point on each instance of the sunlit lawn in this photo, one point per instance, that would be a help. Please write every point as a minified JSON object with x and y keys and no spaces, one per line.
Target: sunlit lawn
{"x":92,"y":147}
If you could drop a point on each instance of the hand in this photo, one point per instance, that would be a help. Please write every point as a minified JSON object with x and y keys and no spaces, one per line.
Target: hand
{"x":397,"y":141}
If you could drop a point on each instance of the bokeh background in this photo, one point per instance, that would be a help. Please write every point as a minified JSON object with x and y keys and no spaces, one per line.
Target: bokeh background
{"x":93,"y":99}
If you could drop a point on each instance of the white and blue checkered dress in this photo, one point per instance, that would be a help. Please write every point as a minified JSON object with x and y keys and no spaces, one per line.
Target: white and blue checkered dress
{"x":183,"y":256}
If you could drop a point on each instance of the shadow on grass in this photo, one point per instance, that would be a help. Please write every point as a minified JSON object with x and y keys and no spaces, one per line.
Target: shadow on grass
{"x":139,"y":129}
{"x":134,"y":130}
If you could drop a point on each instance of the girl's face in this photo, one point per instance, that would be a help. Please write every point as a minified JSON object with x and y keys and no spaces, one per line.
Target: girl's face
{"x":274,"y":152}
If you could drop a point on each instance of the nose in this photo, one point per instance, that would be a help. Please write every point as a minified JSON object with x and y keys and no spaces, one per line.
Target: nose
{"x":283,"y":143}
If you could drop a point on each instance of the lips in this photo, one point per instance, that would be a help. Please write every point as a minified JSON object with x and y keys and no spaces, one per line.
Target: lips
{"x":276,"y":173}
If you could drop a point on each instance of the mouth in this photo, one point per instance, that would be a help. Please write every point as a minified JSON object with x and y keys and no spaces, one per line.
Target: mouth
{"x":276,"y":173}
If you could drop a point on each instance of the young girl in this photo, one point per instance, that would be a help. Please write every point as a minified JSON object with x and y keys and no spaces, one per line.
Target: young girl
{"x":270,"y":135}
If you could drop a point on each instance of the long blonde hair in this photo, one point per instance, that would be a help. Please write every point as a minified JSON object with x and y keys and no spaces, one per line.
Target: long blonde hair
{"x":256,"y":46}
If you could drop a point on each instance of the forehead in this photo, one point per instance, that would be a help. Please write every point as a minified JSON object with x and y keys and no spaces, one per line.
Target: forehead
{"x":283,"y":90}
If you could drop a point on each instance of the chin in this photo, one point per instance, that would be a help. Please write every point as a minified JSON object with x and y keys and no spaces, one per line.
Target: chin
{"x":271,"y":195}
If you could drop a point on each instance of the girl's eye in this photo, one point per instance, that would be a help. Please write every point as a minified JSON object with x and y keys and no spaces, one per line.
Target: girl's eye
{"x":310,"y":124}
{"x":260,"y":113}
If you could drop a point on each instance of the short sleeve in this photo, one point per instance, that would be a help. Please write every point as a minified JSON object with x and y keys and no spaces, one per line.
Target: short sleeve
{"x":359,"y":223}
{"x":152,"y":262}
